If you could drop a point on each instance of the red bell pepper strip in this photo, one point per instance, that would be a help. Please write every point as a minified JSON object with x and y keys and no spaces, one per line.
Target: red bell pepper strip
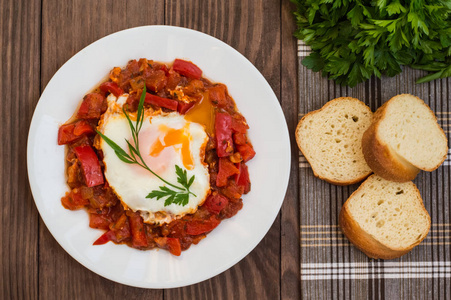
{"x":92,"y":107}
{"x":226,"y":169}
{"x":90,"y":165}
{"x":137,"y":229}
{"x":187,"y":68}
{"x":215,"y":203}
{"x":162,"y":102}
{"x":184,"y":107}
{"x":242,"y":179}
{"x":111,"y":87}
{"x":171,"y":244}
{"x":247,"y":151}
{"x":197,"y":227}
{"x":105,"y":238}
{"x":223,"y":130}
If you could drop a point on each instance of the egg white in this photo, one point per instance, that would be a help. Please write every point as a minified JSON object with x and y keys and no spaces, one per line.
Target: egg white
{"x":133,"y":183}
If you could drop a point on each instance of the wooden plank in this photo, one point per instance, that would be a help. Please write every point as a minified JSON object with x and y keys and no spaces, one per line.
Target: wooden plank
{"x":290,"y":251}
{"x":253,"y":28}
{"x":67,"y":27}
{"x":19,"y":69}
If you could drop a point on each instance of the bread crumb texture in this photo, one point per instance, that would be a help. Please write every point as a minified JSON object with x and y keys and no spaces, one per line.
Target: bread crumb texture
{"x":410,"y":128}
{"x":391,"y":212}
{"x":330,"y":139}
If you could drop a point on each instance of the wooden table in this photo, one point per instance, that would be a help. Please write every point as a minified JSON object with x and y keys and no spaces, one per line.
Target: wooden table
{"x":37,"y":37}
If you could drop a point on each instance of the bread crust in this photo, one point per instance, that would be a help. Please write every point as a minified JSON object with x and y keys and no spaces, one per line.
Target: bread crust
{"x":380,"y":157}
{"x":298,"y":141}
{"x":366,"y":242}
{"x":383,"y":160}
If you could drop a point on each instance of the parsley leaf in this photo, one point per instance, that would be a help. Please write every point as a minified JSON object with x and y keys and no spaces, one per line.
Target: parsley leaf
{"x":176,"y":197}
{"x":351,"y":40}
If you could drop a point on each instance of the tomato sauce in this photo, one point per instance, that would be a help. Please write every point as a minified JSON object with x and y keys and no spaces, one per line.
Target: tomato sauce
{"x":181,"y":88}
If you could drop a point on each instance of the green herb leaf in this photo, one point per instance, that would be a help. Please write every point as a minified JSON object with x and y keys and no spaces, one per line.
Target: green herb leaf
{"x":378,"y":36}
{"x":114,"y":146}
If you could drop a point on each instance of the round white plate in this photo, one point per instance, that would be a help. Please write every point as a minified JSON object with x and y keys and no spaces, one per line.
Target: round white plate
{"x":234,"y":238}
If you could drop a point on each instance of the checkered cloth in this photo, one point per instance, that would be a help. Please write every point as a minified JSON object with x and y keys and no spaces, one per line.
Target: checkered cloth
{"x":331,"y":267}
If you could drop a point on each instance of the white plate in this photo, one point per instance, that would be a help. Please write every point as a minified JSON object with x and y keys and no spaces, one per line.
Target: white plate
{"x":234,"y":238}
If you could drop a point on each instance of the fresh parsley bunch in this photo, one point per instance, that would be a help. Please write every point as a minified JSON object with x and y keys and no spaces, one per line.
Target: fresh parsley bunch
{"x":353,"y":39}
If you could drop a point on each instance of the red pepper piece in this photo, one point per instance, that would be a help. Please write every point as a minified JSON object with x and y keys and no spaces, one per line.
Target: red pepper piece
{"x":232,"y":191}
{"x":111,"y":87}
{"x":83,"y":127}
{"x":105,"y":238}
{"x":73,"y":200}
{"x":184,"y":107}
{"x":98,"y":221}
{"x":90,"y":165}
{"x":173,"y":80}
{"x":242,"y":179}
{"x":218,"y":95}
{"x":247,"y":151}
{"x":175,"y":248}
{"x":137,"y":230}
{"x":162,"y":102}
{"x":66,"y":134}
{"x":239,"y":138}
{"x":197,"y":227}
{"x":223,"y":130}
{"x":239,"y":124}
{"x":215,"y":203}
{"x":187,"y":68}
{"x":92,"y":107}
{"x":226,"y":169}
{"x":156,"y":80}
{"x":171,"y":244}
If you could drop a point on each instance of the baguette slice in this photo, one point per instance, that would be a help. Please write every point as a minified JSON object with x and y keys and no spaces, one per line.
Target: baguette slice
{"x":330,"y":139}
{"x":385,"y":219}
{"x":403,"y":139}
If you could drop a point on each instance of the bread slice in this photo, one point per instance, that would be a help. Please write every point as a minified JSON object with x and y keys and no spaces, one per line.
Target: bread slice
{"x":385,"y":219}
{"x":330,"y":139}
{"x":403,"y":139}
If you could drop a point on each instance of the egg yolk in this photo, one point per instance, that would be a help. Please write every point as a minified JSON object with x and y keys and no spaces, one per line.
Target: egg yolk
{"x":203,"y":113}
{"x":177,"y":138}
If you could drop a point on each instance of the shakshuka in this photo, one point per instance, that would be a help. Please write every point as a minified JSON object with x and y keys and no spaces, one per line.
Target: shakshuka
{"x":157,"y":156}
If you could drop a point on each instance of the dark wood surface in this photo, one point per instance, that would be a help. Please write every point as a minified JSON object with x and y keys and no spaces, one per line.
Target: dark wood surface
{"x":38,"y":37}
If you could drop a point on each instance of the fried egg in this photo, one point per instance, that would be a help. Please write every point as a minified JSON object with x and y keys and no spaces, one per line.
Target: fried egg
{"x":166,"y":140}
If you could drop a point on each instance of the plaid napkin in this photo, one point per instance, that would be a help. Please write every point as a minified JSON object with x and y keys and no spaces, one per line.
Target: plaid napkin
{"x":331,"y":267}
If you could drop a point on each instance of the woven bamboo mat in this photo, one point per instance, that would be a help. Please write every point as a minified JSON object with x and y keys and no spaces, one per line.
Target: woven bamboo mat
{"x":331,"y":267}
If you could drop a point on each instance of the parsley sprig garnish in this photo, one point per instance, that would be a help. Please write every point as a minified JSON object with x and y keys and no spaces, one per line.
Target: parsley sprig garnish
{"x":179,"y":194}
{"x":351,"y":40}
